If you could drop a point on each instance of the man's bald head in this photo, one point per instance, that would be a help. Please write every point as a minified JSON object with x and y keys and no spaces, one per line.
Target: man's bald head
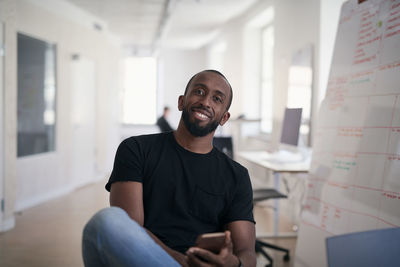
{"x":220,"y":74}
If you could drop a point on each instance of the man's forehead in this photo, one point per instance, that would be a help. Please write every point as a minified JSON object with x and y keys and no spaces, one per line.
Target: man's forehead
{"x":218,"y":81}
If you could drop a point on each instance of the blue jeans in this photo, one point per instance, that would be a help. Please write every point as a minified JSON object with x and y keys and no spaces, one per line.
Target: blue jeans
{"x":112,"y":238}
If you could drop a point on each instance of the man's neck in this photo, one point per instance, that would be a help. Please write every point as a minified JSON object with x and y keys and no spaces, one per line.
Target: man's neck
{"x":201,"y":145}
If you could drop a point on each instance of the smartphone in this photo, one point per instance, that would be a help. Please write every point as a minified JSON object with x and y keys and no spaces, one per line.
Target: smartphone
{"x":211,"y":241}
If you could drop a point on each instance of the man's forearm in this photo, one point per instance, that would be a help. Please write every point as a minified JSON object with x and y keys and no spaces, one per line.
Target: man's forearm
{"x":179,"y":257}
{"x":247,"y":257}
{"x":159,"y":242}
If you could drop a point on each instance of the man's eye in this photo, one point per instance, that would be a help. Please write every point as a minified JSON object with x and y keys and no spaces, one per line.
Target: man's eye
{"x":199,"y":92}
{"x":218,"y":99}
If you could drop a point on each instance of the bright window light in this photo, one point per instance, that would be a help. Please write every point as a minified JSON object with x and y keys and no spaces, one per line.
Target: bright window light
{"x":300,"y":89}
{"x":267,"y":85}
{"x":299,"y":92}
{"x":140,"y":86}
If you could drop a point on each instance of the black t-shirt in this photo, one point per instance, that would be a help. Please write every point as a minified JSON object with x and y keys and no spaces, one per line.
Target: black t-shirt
{"x":184,"y":193}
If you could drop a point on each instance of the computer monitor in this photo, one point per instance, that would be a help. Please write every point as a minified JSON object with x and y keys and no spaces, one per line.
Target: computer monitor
{"x":291,"y":126}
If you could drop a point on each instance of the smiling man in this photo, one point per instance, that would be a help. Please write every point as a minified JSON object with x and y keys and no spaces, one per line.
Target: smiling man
{"x":166,"y":189}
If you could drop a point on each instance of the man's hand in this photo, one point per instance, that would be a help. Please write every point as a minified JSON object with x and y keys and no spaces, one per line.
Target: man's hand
{"x":180,"y":258}
{"x":199,"y":257}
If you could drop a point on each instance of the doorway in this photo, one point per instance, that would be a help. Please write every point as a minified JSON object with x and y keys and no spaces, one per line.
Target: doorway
{"x":83,"y":124}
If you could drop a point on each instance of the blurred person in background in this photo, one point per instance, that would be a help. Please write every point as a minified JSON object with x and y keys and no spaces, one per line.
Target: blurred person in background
{"x":162,"y":122}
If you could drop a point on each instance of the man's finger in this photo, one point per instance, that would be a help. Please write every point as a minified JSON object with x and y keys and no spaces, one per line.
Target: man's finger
{"x":228,"y":246}
{"x":204,"y":254}
{"x":194,"y":260}
{"x":227,"y":237}
{"x":228,"y":240}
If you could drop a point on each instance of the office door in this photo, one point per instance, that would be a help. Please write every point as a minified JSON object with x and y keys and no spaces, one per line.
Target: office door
{"x":83,"y":104}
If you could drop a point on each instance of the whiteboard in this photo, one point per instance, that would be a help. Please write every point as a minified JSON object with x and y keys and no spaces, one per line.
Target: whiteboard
{"x":354,"y":181}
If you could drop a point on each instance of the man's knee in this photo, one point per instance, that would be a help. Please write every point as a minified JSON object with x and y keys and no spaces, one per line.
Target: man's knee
{"x":106,"y":220}
{"x":109,"y":215}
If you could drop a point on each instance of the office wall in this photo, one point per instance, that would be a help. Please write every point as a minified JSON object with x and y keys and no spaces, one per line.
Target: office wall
{"x":8,"y":17}
{"x":296,"y":25}
{"x":33,"y":179}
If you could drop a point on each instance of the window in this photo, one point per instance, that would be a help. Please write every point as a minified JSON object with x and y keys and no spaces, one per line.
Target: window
{"x":36,"y":96}
{"x":300,"y":89}
{"x":216,"y":56}
{"x":267,"y":86}
{"x":140,"y":87}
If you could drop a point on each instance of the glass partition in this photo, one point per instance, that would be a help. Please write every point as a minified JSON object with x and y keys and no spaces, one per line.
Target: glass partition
{"x":36,"y":96}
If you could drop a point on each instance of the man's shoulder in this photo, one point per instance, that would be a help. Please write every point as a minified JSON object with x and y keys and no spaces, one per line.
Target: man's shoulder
{"x":231,"y":162}
{"x":145,"y":140}
{"x":147,"y":137}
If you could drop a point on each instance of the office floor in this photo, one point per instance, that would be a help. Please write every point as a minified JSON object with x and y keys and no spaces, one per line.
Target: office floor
{"x":50,"y":234}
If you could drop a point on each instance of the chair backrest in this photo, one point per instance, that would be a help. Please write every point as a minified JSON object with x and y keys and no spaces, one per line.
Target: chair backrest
{"x":370,"y":248}
{"x":224,"y":144}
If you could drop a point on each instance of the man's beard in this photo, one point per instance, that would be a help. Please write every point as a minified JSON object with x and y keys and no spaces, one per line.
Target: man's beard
{"x":195,"y":129}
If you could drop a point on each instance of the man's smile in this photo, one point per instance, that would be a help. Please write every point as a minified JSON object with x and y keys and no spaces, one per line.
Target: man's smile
{"x":201,"y":114}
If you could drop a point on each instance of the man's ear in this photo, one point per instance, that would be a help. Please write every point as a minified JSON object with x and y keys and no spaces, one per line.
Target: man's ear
{"x":225,"y":118}
{"x":180,"y":102}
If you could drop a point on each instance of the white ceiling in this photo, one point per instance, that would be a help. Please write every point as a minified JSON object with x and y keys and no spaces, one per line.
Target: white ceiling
{"x":154,"y":23}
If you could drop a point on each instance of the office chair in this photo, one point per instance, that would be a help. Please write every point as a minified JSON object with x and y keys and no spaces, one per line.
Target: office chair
{"x":225,"y":145}
{"x":260,"y":195}
{"x":369,"y":248}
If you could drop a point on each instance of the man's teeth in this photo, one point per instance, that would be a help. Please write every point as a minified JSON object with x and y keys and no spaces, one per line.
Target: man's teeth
{"x":201,"y":115}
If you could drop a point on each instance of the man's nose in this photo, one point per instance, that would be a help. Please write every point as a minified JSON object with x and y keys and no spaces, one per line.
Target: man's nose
{"x":206,"y":101}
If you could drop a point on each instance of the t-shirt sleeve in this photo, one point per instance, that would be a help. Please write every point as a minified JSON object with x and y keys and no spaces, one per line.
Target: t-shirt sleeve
{"x":241,"y":207}
{"x":128,"y":163}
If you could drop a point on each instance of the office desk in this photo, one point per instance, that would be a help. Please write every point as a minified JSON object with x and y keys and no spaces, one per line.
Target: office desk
{"x":270,"y":162}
